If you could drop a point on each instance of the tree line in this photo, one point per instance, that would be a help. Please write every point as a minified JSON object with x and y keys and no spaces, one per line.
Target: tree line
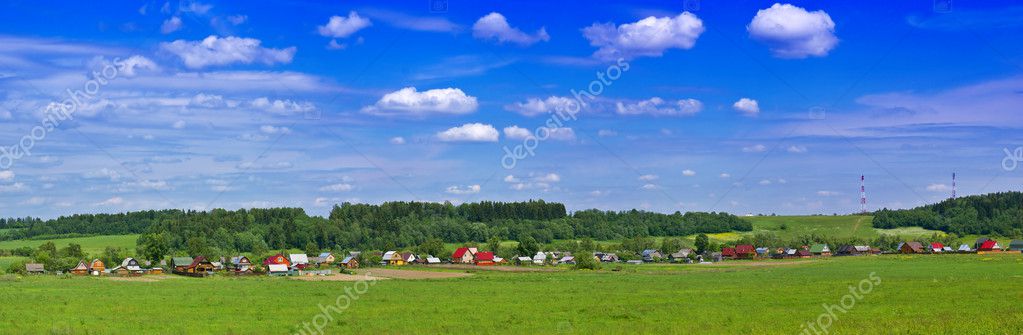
{"x":988,"y":214}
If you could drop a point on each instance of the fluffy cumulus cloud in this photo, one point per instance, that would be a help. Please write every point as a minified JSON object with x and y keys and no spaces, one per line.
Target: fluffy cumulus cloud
{"x":516,"y":133}
{"x":397,"y":140}
{"x":659,"y":107}
{"x":410,"y":102}
{"x":793,"y":32}
{"x":470,"y":189}
{"x":130,"y":66}
{"x":281,"y":106}
{"x":648,"y":37}
{"x":342,"y":27}
{"x":688,"y":173}
{"x":215,"y":51}
{"x":470,"y":132}
{"x":544,"y":182}
{"x":494,"y":26}
{"x":747,"y":106}
{"x":552,"y":104}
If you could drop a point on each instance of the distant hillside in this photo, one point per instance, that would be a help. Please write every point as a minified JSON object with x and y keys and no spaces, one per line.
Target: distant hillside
{"x":995,"y":213}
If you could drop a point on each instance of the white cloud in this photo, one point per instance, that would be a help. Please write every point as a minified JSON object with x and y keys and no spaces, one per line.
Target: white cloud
{"x":747,"y":106}
{"x":765,"y":182}
{"x":755,"y":148}
{"x":552,"y":104}
{"x":793,"y":32}
{"x":544,"y":182}
{"x":648,"y":37}
{"x":648,"y":177}
{"x":607,"y":133}
{"x":281,"y":106}
{"x":179,"y":124}
{"x":470,"y":132}
{"x":827,"y":193}
{"x":214,"y":50}
{"x":495,"y":26}
{"x":16,"y":187}
{"x":237,"y":19}
{"x":549,"y":178}
{"x":219,"y":185}
{"x":433,"y":23}
{"x":561,"y":134}
{"x":796,"y":149}
{"x":34,"y":201}
{"x":517,"y":133}
{"x":340,"y":187}
{"x":6,"y":175}
{"x":511,"y":179}
{"x":397,"y":140}
{"x":103,"y":173}
{"x":127,"y":67}
{"x":342,"y":27}
{"x":725,"y":175}
{"x":938,"y":188}
{"x":170,"y":25}
{"x":268,"y":129}
{"x":659,"y":107}
{"x":471,"y":189}
{"x":688,"y":173}
{"x":649,"y":187}
{"x":114,"y":201}
{"x":409,"y":102}
{"x":599,"y":193}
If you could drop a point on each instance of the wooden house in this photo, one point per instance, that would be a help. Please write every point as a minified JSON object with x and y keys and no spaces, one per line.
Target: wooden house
{"x":241,"y":264}
{"x":484,"y":258}
{"x":156,"y":270}
{"x":409,"y":257}
{"x":392,"y":258}
{"x":1016,"y":245}
{"x":278,"y":270}
{"x":821,"y":250}
{"x":680,"y":256}
{"x":35,"y":268}
{"x":524,"y":260}
{"x":463,"y":256}
{"x":609,"y":258}
{"x":350,"y":262}
{"x":327,"y":258}
{"x":540,"y":258}
{"x":128,"y":267}
{"x":745,"y":251}
{"x":96,"y":267}
{"x":651,"y":255}
{"x":81,"y":269}
{"x":567,"y":260}
{"x":277,"y":259}
{"x":911,"y":248}
{"x":802,"y":253}
{"x":989,"y":246}
{"x":180,"y":264}
{"x":432,"y":260}
{"x":937,"y":247}
{"x":199,"y":265}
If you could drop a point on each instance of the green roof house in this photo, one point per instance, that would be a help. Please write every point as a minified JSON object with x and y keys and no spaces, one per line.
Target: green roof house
{"x":820,"y":250}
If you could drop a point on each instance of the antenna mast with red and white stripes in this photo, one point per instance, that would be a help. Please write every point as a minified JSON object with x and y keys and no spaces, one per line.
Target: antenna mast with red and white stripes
{"x":863,"y":196}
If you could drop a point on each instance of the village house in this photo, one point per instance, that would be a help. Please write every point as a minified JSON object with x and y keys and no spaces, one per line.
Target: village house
{"x":728,"y":253}
{"x":156,"y":270}
{"x":392,"y":258}
{"x":609,"y":258}
{"x":523,"y":260}
{"x":241,"y":264}
{"x":989,"y":246}
{"x":299,"y":261}
{"x":911,"y":248}
{"x":802,"y":253}
{"x":350,"y":262}
{"x":937,"y":247}
{"x":485,"y":258}
{"x":567,"y":260}
{"x":681,"y":255}
{"x":409,"y":257}
{"x":432,"y":260}
{"x":540,"y":258}
{"x":34,"y":268}
{"x":964,"y":248}
{"x":1016,"y":245}
{"x":81,"y":269}
{"x":652,"y":255}
{"x":820,"y":250}
{"x":278,"y":270}
{"x":745,"y":251}
{"x":96,"y":267}
{"x":278,"y":259}
{"x":463,"y":256}
{"x":193,"y":266}
{"x":129,"y":267}
{"x":326,"y":258}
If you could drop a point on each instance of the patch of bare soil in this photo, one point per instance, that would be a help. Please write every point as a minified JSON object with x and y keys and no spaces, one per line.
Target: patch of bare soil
{"x":504,"y":268}
{"x":413,"y":274}
{"x":338,"y":277}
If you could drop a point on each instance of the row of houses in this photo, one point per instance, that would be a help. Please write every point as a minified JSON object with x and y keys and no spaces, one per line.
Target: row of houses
{"x":981,"y":245}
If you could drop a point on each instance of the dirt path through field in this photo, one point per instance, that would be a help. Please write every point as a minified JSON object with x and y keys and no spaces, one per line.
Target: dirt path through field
{"x":857,"y":225}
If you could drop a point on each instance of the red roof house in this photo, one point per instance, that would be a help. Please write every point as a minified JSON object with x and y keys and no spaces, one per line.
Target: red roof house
{"x":485,"y":258}
{"x":989,"y":245}
{"x":463,"y":255}
{"x":277,"y":259}
{"x":745,"y":251}
{"x":728,"y":252}
{"x":937,"y":247}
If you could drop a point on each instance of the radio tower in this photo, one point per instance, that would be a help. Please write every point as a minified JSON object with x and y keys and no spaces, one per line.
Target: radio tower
{"x":953,"y":185}
{"x":863,"y":196}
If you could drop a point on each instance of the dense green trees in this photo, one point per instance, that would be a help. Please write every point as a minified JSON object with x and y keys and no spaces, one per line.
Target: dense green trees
{"x":989,"y":214}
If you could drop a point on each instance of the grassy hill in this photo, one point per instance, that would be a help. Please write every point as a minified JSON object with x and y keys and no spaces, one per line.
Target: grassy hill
{"x":93,"y":245}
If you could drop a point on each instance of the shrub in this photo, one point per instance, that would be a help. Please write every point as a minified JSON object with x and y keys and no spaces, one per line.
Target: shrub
{"x":586,"y":262}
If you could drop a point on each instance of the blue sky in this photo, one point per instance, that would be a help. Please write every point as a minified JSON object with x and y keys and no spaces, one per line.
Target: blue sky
{"x":751,"y":107}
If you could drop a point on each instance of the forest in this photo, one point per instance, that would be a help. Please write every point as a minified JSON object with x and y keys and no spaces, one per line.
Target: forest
{"x":988,"y":214}
{"x":390,"y":225}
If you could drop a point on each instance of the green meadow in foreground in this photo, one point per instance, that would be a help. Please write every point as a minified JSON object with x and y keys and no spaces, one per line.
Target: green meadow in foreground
{"x":926,"y":294}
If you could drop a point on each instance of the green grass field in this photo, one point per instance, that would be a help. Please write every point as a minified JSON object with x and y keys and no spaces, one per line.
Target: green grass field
{"x":943,"y":294}
{"x":93,"y":245}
